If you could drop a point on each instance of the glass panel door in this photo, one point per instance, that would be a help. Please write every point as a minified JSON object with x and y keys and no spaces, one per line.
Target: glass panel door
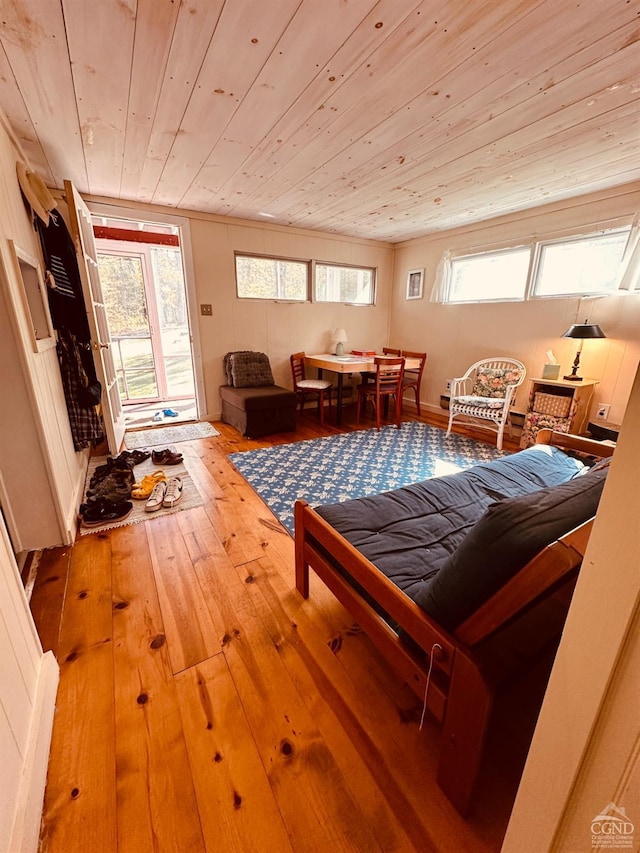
{"x":145,"y":297}
{"x":123,"y":283}
{"x":175,"y":338}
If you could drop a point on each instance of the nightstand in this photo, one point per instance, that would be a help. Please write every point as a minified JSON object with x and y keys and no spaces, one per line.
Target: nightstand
{"x":557,"y":404}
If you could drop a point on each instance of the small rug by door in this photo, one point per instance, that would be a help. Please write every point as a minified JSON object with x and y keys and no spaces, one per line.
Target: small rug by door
{"x":166,"y":435}
{"x":190,"y":499}
{"x":352,"y":465}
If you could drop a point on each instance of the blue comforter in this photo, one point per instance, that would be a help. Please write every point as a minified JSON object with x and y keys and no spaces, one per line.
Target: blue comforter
{"x":411,"y":533}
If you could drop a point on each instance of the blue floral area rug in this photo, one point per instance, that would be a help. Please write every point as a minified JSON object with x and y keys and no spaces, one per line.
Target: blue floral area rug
{"x":354,"y":464}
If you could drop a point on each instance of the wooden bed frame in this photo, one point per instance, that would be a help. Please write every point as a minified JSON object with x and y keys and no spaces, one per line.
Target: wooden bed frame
{"x":464,"y":675}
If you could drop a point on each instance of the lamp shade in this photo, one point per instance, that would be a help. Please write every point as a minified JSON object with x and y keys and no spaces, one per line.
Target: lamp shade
{"x":584,"y":330}
{"x":340,"y":337}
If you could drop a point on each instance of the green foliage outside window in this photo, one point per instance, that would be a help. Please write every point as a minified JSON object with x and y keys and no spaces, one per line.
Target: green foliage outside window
{"x":271,"y":278}
{"x":123,"y":293}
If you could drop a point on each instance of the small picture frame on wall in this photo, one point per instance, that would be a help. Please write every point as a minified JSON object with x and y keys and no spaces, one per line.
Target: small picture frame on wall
{"x":415,"y":283}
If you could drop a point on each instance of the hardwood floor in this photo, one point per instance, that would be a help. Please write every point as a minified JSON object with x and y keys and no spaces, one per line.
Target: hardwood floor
{"x":203,"y":705}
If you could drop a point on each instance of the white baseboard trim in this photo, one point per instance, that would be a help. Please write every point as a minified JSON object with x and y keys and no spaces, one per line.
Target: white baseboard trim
{"x":26,"y":826}
{"x":71,"y":521}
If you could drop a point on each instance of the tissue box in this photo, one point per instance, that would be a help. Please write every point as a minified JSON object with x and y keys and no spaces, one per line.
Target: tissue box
{"x":550,"y":371}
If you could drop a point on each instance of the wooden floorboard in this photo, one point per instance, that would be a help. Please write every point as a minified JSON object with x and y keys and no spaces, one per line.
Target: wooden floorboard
{"x":80,"y":801}
{"x":156,"y":802}
{"x":205,"y":706}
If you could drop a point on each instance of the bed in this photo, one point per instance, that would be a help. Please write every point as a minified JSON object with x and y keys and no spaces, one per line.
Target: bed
{"x":461,"y":580}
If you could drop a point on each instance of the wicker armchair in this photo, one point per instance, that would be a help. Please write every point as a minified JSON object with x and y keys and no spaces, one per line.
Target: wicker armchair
{"x":485,"y":394}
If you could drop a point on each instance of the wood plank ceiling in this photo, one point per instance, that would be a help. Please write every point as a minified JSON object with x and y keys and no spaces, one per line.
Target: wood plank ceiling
{"x":385,"y":119}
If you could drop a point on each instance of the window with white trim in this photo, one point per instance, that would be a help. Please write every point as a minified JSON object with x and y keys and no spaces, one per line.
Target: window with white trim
{"x":585,"y":264}
{"x":490,"y":276}
{"x":580,"y":266}
{"x":350,"y":284}
{"x":260,"y":277}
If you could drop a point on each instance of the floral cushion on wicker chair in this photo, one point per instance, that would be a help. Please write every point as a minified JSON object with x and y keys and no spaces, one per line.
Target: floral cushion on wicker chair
{"x":493,"y":381}
{"x":482,"y":402}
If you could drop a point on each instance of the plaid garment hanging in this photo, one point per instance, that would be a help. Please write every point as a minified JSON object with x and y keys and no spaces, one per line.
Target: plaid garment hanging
{"x":84,"y":420}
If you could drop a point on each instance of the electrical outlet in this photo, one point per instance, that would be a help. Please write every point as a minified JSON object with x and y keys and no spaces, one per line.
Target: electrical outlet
{"x":447,"y":385}
{"x":206,"y":310}
{"x":603,"y":411}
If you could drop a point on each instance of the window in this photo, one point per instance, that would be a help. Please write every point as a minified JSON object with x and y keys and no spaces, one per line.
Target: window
{"x":584,"y":265}
{"x":489,"y":276}
{"x":600,"y":262}
{"x":355,"y":285}
{"x":258,"y":277}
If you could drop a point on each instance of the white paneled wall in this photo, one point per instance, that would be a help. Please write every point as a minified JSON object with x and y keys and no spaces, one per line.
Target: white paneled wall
{"x":28,"y":681}
{"x":39,"y":475}
{"x":36,"y":448}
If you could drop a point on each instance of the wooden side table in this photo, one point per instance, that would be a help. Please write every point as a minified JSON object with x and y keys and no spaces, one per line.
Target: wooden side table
{"x":557,"y":404}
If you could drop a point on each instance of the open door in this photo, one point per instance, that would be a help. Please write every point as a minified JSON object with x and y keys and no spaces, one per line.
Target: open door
{"x":82,"y":233}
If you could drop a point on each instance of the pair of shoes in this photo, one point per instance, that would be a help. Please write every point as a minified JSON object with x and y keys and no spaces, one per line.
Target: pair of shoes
{"x":106,"y":512}
{"x":170,"y":413}
{"x":135,"y":456}
{"x":109,"y":489}
{"x":119,"y":463}
{"x":115,"y":475}
{"x":122,"y":461}
{"x":143,"y":489}
{"x":165,"y":494}
{"x":166,"y":457}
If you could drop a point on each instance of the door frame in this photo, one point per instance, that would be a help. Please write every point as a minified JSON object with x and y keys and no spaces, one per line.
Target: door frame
{"x":134,"y":214}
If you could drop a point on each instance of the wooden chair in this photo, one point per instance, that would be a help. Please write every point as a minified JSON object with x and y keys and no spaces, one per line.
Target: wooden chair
{"x":370,"y":377}
{"x":308,"y":387}
{"x":388,"y":382}
{"x":413,"y":378}
{"x":486,"y":393}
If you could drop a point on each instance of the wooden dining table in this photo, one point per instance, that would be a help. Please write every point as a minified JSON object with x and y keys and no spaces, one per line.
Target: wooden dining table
{"x":345,"y":364}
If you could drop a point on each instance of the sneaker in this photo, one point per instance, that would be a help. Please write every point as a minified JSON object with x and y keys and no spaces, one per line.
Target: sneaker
{"x":110,"y":489}
{"x":170,"y":413}
{"x":105,"y":513}
{"x":156,"y":497}
{"x":173,"y":493}
{"x":135,"y":456}
{"x":113,"y":476}
{"x":166,"y":457}
{"x":158,"y":416}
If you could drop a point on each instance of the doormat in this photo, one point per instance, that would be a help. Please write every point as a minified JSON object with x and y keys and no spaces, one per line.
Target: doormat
{"x":190,"y":499}
{"x":165,"y":435}
{"x":355,"y":464}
